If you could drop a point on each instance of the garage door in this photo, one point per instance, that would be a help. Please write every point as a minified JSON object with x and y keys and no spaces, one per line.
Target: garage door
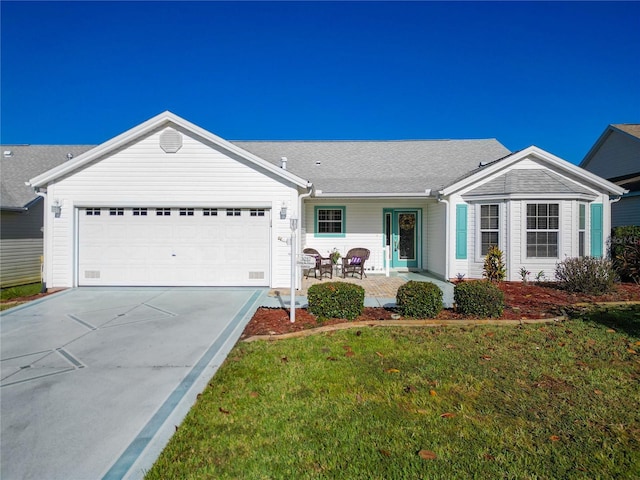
{"x":174,"y":246}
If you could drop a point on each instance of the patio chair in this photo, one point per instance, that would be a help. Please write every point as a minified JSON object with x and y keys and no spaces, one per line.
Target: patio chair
{"x":323,"y":264}
{"x":353,"y":262}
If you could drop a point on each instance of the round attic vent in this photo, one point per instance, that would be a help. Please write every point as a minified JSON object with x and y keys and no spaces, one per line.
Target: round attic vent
{"x":170,"y":141}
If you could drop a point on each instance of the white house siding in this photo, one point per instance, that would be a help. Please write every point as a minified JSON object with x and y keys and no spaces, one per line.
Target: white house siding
{"x":626,"y":211}
{"x":364,"y":228}
{"x":143,"y":175}
{"x":435,"y":260}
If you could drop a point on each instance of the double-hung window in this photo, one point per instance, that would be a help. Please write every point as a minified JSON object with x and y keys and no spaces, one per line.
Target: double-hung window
{"x":543,"y":225}
{"x":489,"y":227}
{"x":582,"y":226}
{"x":330,"y":221}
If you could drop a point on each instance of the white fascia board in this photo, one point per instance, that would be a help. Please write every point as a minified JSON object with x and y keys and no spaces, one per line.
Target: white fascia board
{"x":321,"y":194}
{"x":169,"y":204}
{"x":148,"y":126}
{"x":536,"y":196}
{"x":541,"y":155}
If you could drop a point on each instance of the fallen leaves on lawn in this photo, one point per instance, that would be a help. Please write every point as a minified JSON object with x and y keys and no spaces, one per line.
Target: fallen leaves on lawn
{"x":380,"y":355}
{"x":384,"y":452}
{"x":392,"y":370}
{"x":554,"y":438}
{"x":433,"y":393}
{"x":222,"y":410}
{"x":447,"y":415}
{"x":427,"y":455}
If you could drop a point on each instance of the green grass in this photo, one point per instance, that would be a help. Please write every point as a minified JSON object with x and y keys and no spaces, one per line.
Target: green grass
{"x":21,"y":291}
{"x":527,"y":402}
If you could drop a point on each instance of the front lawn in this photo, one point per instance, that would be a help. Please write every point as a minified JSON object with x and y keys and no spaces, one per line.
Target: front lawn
{"x":537,"y":401}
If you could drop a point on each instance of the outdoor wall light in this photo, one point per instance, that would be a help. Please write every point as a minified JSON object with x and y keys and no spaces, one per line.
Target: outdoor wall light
{"x":293,"y":223}
{"x":56,"y":209}
{"x":283,"y":211}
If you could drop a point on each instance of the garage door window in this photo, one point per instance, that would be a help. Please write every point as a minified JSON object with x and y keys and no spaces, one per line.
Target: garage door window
{"x":256,"y":212}
{"x":210,"y":212}
{"x":233,"y":212}
{"x":116,"y":212}
{"x":160,"y":212}
{"x":139,"y":212}
{"x":186,"y":212}
{"x":92,"y":212}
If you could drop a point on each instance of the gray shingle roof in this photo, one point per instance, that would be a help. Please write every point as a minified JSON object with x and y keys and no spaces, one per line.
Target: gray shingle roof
{"x":24,"y":163}
{"x":396,"y":166}
{"x":528,"y":181}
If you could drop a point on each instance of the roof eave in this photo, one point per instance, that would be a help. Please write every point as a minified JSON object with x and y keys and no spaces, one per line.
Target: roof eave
{"x":387,"y":195}
{"x":148,"y":126}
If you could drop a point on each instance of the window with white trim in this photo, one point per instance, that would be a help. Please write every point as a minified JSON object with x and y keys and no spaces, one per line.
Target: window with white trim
{"x":116,"y":211}
{"x":92,"y":212}
{"x":187,"y":212}
{"x":210,"y":212}
{"x":233,"y":212}
{"x":543,"y":225}
{"x":256,"y":212}
{"x":139,"y":212}
{"x":489,"y":227}
{"x":163,"y":212}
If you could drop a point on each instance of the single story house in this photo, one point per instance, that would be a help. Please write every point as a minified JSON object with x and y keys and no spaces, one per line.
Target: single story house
{"x":169,"y":203}
{"x":616,"y":157}
{"x":21,"y":209}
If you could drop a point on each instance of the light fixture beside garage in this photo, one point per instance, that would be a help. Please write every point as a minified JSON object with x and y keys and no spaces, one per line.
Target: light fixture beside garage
{"x":170,"y":141}
{"x":283,"y":211}
{"x":56,"y":208}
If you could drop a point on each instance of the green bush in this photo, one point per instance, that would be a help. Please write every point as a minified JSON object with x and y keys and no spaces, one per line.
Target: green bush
{"x":336,"y":300}
{"x":590,"y":275}
{"x":625,"y":252}
{"x":480,"y":298}
{"x":419,"y":299}
{"x":494,"y":269}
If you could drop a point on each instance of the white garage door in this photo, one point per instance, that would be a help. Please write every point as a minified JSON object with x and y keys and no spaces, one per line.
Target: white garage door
{"x":174,"y":246}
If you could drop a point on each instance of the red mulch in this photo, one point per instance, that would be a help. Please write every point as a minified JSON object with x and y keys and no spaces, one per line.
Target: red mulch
{"x":523,"y":302}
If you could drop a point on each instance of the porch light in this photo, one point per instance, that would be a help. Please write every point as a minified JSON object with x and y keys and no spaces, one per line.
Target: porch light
{"x":283,"y":211}
{"x":56,"y":209}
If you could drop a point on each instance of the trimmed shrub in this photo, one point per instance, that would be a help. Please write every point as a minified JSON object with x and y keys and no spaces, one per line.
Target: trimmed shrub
{"x":494,"y":269}
{"x":590,"y":275}
{"x":480,"y":299}
{"x":419,"y":299}
{"x":336,"y":300}
{"x":625,"y":252}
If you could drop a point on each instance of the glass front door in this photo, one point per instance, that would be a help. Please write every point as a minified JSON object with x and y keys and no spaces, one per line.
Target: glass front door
{"x":402,"y":237}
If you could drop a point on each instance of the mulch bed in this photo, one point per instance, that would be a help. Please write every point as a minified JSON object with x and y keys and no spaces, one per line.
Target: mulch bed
{"x":524,"y":301}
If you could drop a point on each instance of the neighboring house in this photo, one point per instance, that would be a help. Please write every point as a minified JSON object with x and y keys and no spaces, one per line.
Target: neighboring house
{"x":21,"y":209}
{"x":616,"y":157}
{"x":169,"y":203}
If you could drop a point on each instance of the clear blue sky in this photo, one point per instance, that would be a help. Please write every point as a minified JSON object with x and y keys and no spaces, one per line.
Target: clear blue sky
{"x":544,"y":73}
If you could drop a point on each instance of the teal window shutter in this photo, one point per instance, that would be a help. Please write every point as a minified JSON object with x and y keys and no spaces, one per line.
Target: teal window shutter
{"x":596,"y":230}
{"x":461,"y":232}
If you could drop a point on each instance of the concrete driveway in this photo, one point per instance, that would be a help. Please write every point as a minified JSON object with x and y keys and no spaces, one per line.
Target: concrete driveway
{"x":94,"y":380}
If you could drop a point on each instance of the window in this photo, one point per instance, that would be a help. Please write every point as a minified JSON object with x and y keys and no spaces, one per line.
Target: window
{"x":543,"y":223}
{"x":116,"y":211}
{"x":233,"y":212}
{"x":330,"y":221}
{"x":139,"y":212}
{"x":160,"y":212}
{"x":92,"y":212}
{"x":256,"y":212}
{"x":582,"y":226}
{"x":210,"y":212}
{"x":489,"y":227}
{"x":186,"y":212}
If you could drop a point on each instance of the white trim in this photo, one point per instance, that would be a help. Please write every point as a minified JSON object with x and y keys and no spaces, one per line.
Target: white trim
{"x":539,"y":154}
{"x":419,"y":195}
{"x":531,"y":196}
{"x":164,"y":119}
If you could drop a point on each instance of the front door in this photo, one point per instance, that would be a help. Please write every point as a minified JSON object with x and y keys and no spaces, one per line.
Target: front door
{"x":402,"y":227}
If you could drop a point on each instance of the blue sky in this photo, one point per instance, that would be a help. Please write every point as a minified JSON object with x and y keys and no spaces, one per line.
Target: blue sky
{"x":549,"y":74}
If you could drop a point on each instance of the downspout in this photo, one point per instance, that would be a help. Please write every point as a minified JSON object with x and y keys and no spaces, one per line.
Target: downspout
{"x":45,"y":230}
{"x":446,"y":235}
{"x":300,"y":198}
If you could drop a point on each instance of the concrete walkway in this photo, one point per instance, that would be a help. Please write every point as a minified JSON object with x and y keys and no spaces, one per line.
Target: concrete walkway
{"x":94,"y":380}
{"x":380,"y":291}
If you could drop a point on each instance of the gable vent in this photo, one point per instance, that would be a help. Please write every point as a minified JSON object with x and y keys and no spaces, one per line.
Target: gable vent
{"x":170,"y":141}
